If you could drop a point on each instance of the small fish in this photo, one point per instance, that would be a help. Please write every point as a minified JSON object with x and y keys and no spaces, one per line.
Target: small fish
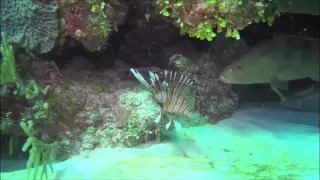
{"x":147,"y":16}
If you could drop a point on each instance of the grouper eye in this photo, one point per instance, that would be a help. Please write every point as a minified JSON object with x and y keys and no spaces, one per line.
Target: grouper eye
{"x":239,"y":66}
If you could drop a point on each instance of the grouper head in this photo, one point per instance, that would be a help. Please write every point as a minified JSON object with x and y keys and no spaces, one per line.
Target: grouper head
{"x":251,"y":68}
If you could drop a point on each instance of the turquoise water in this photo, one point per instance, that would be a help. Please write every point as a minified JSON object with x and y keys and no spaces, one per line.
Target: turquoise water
{"x":159,"y":89}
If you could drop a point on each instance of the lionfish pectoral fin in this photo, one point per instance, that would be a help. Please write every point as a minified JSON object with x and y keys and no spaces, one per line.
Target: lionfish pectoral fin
{"x":168,"y":125}
{"x":158,"y":119}
{"x":177,"y":125}
{"x":139,"y":77}
{"x":165,"y":84}
{"x":153,"y":77}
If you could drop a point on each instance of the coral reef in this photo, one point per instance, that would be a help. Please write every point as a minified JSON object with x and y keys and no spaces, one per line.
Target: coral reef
{"x":8,"y":71}
{"x":91,"y":21}
{"x":23,"y":97}
{"x":96,"y":102}
{"x":98,"y":110}
{"x":30,"y":24}
{"x":92,"y":110}
{"x":40,"y":153}
{"x":203,"y":19}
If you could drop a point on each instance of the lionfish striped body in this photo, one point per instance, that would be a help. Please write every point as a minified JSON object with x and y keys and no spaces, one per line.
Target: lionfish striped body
{"x":169,"y":93}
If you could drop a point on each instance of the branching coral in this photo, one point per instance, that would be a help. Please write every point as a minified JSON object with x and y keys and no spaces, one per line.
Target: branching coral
{"x":8,"y":66}
{"x":40,"y":152}
{"x":206,"y":18}
{"x":30,"y":91}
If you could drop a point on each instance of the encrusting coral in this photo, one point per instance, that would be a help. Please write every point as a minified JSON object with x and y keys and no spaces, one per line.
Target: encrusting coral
{"x":203,"y":19}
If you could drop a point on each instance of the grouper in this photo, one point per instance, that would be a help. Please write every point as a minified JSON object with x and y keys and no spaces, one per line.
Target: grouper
{"x":276,"y":61}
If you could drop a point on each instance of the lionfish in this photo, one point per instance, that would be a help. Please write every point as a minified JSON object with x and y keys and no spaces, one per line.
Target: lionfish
{"x":169,"y":93}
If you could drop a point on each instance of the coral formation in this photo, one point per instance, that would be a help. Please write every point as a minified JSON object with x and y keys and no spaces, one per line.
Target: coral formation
{"x":91,"y":28}
{"x":25,"y":100}
{"x":40,"y":153}
{"x":91,"y":21}
{"x":30,"y":24}
{"x":8,"y":71}
{"x":203,"y":19}
{"x":113,"y":114}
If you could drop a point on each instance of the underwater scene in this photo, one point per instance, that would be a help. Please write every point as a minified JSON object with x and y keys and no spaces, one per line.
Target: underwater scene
{"x":160,"y":89}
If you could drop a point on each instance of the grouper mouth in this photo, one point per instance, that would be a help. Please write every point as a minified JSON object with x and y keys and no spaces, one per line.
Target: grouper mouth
{"x":223,"y":79}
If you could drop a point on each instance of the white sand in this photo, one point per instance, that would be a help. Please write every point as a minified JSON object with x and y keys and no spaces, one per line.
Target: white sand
{"x":256,"y":143}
